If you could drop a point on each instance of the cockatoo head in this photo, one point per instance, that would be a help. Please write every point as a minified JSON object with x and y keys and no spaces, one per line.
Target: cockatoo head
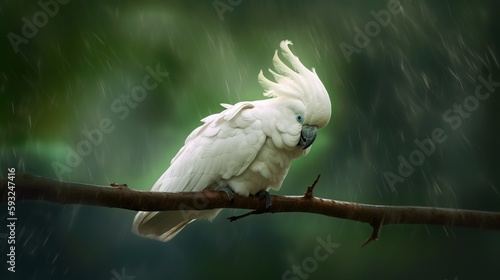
{"x":302,"y":91}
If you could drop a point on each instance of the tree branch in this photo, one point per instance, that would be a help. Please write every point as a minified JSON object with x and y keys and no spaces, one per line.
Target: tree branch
{"x":30,"y":187}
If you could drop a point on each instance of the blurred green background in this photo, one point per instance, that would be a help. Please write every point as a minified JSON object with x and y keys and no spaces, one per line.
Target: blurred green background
{"x":86,"y":55}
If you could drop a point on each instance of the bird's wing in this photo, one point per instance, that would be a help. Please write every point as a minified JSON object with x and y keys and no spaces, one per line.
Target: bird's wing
{"x":223,"y":147}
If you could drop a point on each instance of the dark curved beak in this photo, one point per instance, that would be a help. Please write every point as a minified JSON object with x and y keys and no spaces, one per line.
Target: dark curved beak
{"x":307,"y":136}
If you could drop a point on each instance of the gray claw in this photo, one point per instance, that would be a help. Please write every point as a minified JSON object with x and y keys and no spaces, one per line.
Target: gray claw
{"x":229,"y":192}
{"x":265,"y":195}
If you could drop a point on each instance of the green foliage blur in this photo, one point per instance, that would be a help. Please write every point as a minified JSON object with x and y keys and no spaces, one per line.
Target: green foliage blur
{"x":72,"y":108}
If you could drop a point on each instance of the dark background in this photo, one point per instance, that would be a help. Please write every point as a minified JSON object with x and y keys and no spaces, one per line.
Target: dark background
{"x":396,"y":90}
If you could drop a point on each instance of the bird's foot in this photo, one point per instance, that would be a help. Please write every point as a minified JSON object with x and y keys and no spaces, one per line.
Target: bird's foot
{"x":261,"y":195}
{"x":265,"y":195}
{"x":229,"y":192}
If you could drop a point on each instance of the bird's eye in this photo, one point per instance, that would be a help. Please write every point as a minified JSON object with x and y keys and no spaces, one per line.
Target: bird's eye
{"x":300,"y":118}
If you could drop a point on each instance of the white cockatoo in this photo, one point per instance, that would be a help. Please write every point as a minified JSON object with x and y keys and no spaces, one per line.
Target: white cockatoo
{"x":247,"y":148}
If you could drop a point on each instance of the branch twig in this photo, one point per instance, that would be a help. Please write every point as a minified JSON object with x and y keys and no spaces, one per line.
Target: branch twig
{"x":309,"y":191}
{"x":254,"y":212}
{"x":30,"y":187}
{"x":377,"y":226}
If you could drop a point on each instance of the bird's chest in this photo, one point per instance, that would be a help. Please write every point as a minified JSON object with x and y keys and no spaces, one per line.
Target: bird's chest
{"x":267,"y":171}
